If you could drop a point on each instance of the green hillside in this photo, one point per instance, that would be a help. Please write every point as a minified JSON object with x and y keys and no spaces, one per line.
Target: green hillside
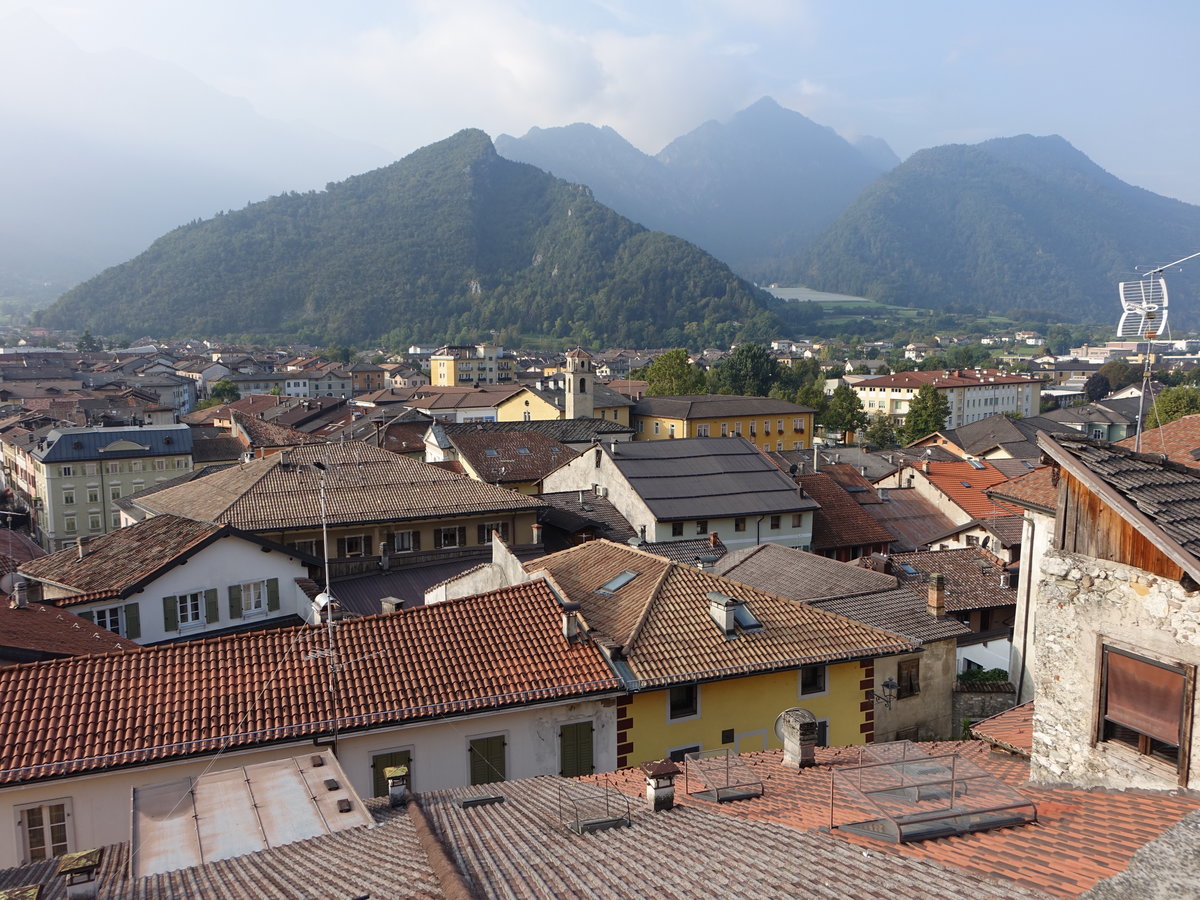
{"x":452,"y":242}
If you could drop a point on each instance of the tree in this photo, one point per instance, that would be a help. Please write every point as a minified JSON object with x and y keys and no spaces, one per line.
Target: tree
{"x":1096,"y":387}
{"x":813,"y":396}
{"x":881,"y":433}
{"x":672,"y":374}
{"x":225,"y":391}
{"x":1173,"y":403}
{"x":926,"y":414}
{"x":87,"y":343}
{"x":750,"y":370}
{"x":845,"y":412}
{"x":1119,"y":373}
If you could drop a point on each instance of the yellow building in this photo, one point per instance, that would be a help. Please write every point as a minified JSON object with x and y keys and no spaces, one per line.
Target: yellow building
{"x":711,"y":662}
{"x":455,"y":366}
{"x":767,"y":423}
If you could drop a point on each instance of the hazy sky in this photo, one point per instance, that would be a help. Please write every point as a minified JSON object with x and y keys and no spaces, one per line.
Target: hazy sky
{"x":1117,"y":80}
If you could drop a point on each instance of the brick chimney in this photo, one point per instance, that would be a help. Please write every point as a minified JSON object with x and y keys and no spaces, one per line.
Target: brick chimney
{"x":714,"y":540}
{"x":660,"y":783}
{"x":937,"y":594}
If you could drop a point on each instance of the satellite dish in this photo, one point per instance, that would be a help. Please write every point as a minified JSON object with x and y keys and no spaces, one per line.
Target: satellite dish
{"x":9,"y":582}
{"x":1144,"y":303}
{"x":322,"y":600}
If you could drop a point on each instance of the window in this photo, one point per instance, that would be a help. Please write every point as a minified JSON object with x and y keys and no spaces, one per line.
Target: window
{"x":406,"y":541}
{"x":702,"y":526}
{"x":450,"y":536}
{"x":677,"y":754}
{"x":114,"y":492}
{"x":617,"y":582}
{"x":353,"y":545}
{"x":181,"y":463}
{"x":115,"y":520}
{"x":381,"y":762}
{"x":737,"y":428}
{"x":797,"y":424}
{"x":676,"y":529}
{"x":45,"y":830}
{"x":135,"y":466}
{"x":908,"y":675}
{"x":779,"y":446}
{"x":160,"y":465}
{"x":1143,"y":706}
{"x":112,"y":468}
{"x":487,"y":759}
{"x":739,"y":524}
{"x":766,"y":426}
{"x":813,"y":681}
{"x":123,"y":620}
{"x":575,"y":750}
{"x":779,"y":425}
{"x":753,"y":428}
{"x":486,"y":529}
{"x":93,"y":495}
{"x":95,"y":522}
{"x":776,"y":522}
{"x":254,"y":597}
{"x":671,"y":431}
{"x":67,"y":471}
{"x":91,"y":468}
{"x":683,"y":702}
{"x":69,"y":497}
{"x":724,"y":429}
{"x":656,"y":426}
{"x":701,"y":431}
{"x":69,"y":524}
{"x":190,"y":609}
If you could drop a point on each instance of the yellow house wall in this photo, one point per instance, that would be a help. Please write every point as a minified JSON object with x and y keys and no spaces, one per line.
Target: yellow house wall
{"x":765,"y":429}
{"x":747,"y":705}
{"x":618,"y":414}
{"x":514,"y":408}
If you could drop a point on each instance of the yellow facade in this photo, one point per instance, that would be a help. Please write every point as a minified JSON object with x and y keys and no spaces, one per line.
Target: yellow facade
{"x":526,"y":406}
{"x":619,"y":414}
{"x":777,"y":432}
{"x":747,"y":707}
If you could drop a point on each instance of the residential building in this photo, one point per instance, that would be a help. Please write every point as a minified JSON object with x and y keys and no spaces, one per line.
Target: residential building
{"x":70,"y":477}
{"x":454,"y":366}
{"x":995,"y":437}
{"x":366,"y":376}
{"x":763,"y":421}
{"x":577,"y":434}
{"x":512,"y":459}
{"x":167,"y":578}
{"x":33,"y":632}
{"x":842,"y":529}
{"x":676,"y":490}
{"x":1099,"y":421}
{"x":373,"y":498}
{"x":971,"y":394}
{"x":470,"y":691}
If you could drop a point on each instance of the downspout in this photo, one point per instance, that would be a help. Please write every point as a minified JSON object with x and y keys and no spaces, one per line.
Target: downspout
{"x":1028,"y":577}
{"x":758,"y":530}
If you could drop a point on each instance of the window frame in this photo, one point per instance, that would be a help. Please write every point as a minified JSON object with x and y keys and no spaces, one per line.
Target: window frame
{"x":190,"y":621}
{"x":19,"y":812}
{"x":824,"y":688}
{"x":910,"y":683}
{"x":689,"y":712}
{"x":252,"y":590}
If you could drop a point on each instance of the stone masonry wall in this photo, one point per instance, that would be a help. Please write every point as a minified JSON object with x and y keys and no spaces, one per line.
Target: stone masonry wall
{"x":982,"y":701}
{"x":1082,"y":603}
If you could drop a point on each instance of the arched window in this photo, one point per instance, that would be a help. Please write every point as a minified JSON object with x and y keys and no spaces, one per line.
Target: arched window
{"x":583,"y":385}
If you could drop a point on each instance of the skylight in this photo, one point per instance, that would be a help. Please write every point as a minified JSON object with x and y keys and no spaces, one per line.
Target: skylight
{"x":613,"y":585}
{"x":976,"y":464}
{"x":965,"y":484}
{"x":908,"y":569}
{"x":745,"y":619}
{"x":491,"y":452}
{"x":524,"y":451}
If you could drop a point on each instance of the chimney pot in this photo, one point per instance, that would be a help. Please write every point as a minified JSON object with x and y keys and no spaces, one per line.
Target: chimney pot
{"x":660,"y":783}
{"x":537,"y":532}
{"x":397,"y":782}
{"x":937,"y":594}
{"x":925,"y":467}
{"x":570,"y":623}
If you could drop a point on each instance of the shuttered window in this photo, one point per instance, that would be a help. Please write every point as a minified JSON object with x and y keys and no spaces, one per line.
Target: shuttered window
{"x":380,"y":762}
{"x":575,"y":749}
{"x":450,"y":537}
{"x":487,"y":759}
{"x":1145,"y":696}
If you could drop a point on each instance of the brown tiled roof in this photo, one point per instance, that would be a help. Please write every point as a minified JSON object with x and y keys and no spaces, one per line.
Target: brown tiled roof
{"x":910,"y":517}
{"x":55,"y":632}
{"x":945,"y":378}
{"x":363,"y":484}
{"x":703,"y":406}
{"x":841,"y":521}
{"x":261,"y":433}
{"x":504,"y":457}
{"x":1010,"y":730}
{"x":1080,"y":836}
{"x":687,"y":551}
{"x":127,"y":558}
{"x":661,"y":620}
{"x":901,"y":610}
{"x":972,"y":576}
{"x":486,"y":652}
{"x":220,"y":448}
{"x":1036,"y":490}
{"x":852,"y":481}
{"x":18,"y":547}
{"x":588,"y":508}
{"x":798,"y":575}
{"x":1178,"y":440}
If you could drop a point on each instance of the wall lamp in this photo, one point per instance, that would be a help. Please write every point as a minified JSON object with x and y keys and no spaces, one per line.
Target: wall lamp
{"x":890,"y":688}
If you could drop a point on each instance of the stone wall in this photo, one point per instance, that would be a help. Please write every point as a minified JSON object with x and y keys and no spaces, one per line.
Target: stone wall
{"x":982,"y":700}
{"x":1082,"y":603}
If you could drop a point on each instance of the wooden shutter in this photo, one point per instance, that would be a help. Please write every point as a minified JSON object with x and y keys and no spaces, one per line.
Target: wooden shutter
{"x":341,"y":548}
{"x":1143,"y":695}
{"x":575,"y":749}
{"x":482,"y":534}
{"x":437,"y":539}
{"x":462,"y":535}
{"x":487,"y":759}
{"x":212,"y":612}
{"x":416,"y":540}
{"x":133,"y":621}
{"x":235,"y":601}
{"x":170,"y":613}
{"x":380,"y":762}
{"x":87,"y":614}
{"x":272,"y":594}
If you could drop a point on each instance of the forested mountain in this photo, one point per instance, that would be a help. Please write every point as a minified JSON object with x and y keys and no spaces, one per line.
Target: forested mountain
{"x":752,"y":191}
{"x":1013,"y":223}
{"x":450,"y":242}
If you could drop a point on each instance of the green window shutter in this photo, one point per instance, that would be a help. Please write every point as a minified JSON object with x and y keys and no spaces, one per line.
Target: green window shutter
{"x":212,"y":612}
{"x":462,"y":535}
{"x":235,"y":601}
{"x":170,"y":613}
{"x":382,"y":761}
{"x":575,"y":749}
{"x":133,"y":621}
{"x":487,"y":759}
{"x":87,"y":614}
{"x":437,"y":539}
{"x":416,"y":540}
{"x":482,"y":534}
{"x":272,"y":594}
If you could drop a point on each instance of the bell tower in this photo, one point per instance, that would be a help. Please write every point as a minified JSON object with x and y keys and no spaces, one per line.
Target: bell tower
{"x":579,"y":400}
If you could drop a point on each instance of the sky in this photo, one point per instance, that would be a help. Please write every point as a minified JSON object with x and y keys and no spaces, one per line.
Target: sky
{"x":1116,"y":80}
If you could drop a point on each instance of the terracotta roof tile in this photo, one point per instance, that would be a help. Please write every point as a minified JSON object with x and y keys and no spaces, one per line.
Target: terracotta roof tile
{"x":503,"y":457}
{"x":661,"y":618}
{"x":363,"y":484}
{"x":261,"y":433}
{"x":55,"y":632}
{"x":943,"y":378}
{"x":798,"y":575}
{"x":972,"y":576}
{"x":175,"y":700}
{"x":841,"y":521}
{"x":910,"y":517}
{"x":1178,"y":440}
{"x":1036,"y":490}
{"x":1010,"y":730}
{"x":964,"y":485}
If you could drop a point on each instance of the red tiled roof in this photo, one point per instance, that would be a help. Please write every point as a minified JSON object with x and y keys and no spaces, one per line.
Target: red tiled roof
{"x":964,"y":485}
{"x":486,"y":652}
{"x":500,"y":457}
{"x":55,"y":632}
{"x":972,"y":576}
{"x":1080,"y":837}
{"x":852,"y":481}
{"x":1010,"y":730}
{"x":840,"y":522}
{"x":1036,"y":490}
{"x":946,"y":378}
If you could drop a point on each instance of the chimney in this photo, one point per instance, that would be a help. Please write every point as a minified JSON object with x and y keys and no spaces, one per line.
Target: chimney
{"x":721,"y":607}
{"x":937,"y":594}
{"x":20,"y":596}
{"x":660,"y":783}
{"x":714,"y":540}
{"x":79,"y":872}
{"x":537,"y":532}
{"x":397,"y":783}
{"x":883,"y":494}
{"x":799,"y":728}
{"x":925,"y":467}
{"x":570,"y":622}
{"x":79,"y":549}
{"x":642,"y":533}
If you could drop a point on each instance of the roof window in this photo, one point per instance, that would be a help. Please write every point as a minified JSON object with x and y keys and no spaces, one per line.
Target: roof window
{"x":524,"y":451}
{"x":613,"y":585}
{"x":491,"y":452}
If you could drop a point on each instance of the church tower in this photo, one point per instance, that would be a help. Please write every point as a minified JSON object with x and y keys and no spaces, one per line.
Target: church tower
{"x":579,"y":401}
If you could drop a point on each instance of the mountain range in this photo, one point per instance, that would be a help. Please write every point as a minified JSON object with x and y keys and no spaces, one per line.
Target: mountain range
{"x":453,"y":241}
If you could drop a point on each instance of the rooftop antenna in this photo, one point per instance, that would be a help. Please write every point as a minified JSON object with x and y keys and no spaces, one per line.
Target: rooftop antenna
{"x":1144,"y":315}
